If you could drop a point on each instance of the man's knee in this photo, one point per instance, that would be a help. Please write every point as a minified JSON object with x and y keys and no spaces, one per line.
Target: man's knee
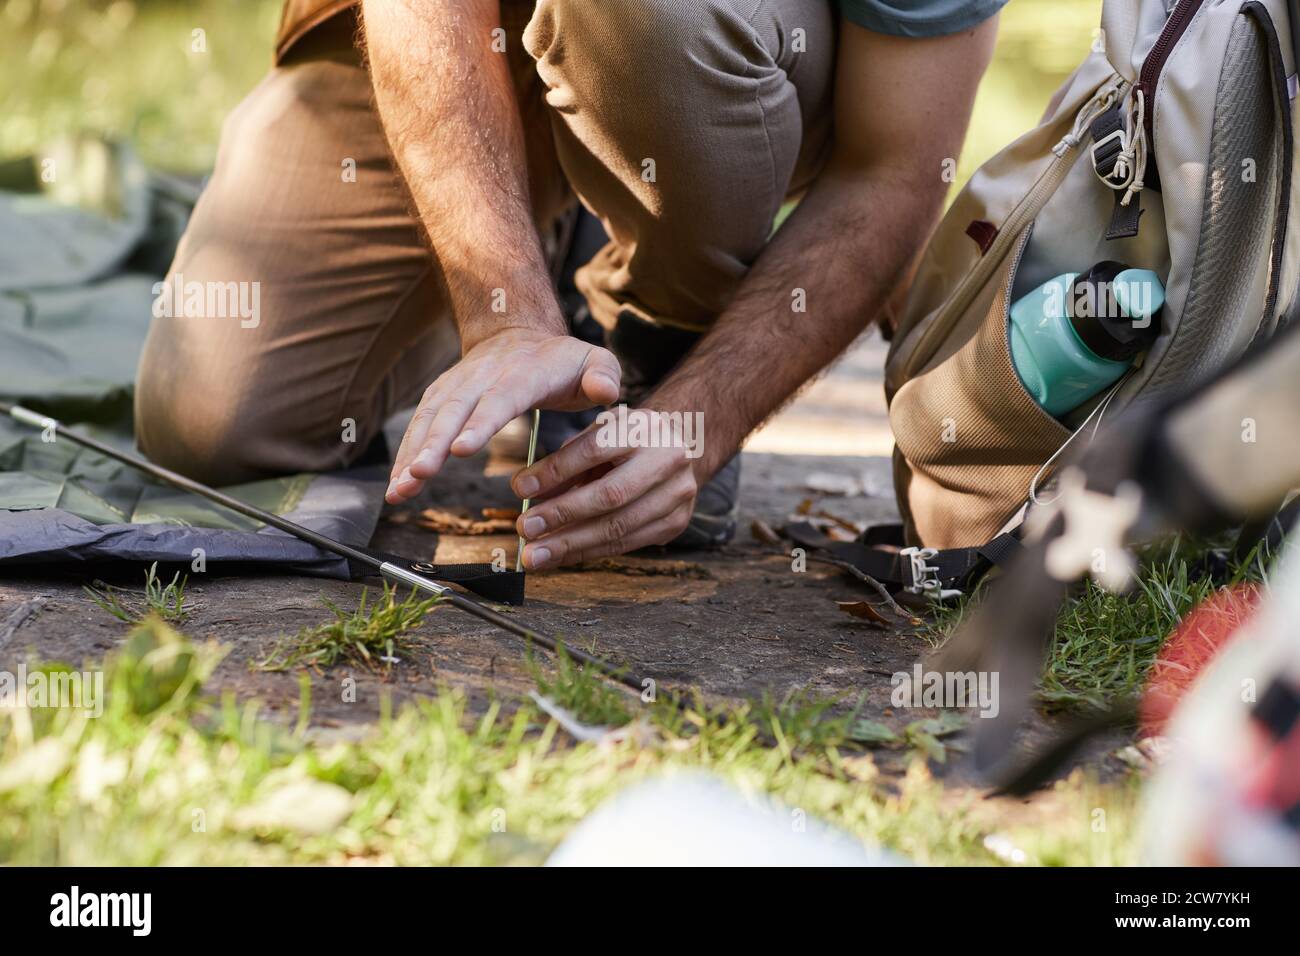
{"x":641,"y":41}
{"x":189,"y":420}
{"x":699,"y":170}
{"x":684,"y":41}
{"x":260,"y":381}
{"x":223,"y":415}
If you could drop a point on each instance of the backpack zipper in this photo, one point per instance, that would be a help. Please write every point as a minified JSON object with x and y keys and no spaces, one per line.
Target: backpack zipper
{"x":1154,"y":64}
{"x":1065,"y":153}
{"x":1137,"y":136}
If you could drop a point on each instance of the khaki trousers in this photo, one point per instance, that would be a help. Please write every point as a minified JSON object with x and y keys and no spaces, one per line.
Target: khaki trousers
{"x":683,"y":124}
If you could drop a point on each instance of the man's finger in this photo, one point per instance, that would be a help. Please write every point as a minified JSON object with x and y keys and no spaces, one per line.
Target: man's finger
{"x":595,"y":540}
{"x":401,"y":484}
{"x":431,"y":454}
{"x":420,"y":422}
{"x":497,"y":407}
{"x":424,"y":446}
{"x":575,"y":482}
{"x":601,"y":377}
{"x":617,"y":530}
{"x":566,"y":463}
{"x":415,"y":430}
{"x":618,"y":487}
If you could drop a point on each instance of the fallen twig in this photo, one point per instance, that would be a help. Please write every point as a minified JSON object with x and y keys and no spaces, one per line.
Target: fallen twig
{"x":20,"y":616}
{"x":871,"y":583}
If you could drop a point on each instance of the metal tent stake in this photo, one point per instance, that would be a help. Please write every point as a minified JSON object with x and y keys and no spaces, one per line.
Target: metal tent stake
{"x":388,"y":570}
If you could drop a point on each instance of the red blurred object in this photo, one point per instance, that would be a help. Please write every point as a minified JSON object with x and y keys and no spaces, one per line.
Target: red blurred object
{"x":1205,"y":631}
{"x":1274,"y":782}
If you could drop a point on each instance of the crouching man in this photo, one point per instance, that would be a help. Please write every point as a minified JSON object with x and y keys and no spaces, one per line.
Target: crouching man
{"x":388,"y":185}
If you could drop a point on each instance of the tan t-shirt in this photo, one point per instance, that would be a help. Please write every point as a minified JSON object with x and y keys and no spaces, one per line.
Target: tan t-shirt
{"x":300,"y":16}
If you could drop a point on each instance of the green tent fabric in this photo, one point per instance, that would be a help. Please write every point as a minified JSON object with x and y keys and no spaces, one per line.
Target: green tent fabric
{"x":85,"y":233}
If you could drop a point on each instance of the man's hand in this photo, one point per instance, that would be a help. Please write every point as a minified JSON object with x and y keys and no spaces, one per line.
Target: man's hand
{"x":498,"y":379}
{"x":901,"y":110}
{"x":600,"y":499}
{"x":447,"y":102}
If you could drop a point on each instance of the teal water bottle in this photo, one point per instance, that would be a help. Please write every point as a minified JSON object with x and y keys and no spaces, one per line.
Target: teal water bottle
{"x":1079,"y":333}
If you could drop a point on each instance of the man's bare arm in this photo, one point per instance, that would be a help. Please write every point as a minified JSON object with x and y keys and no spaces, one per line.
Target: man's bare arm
{"x":448,"y":107}
{"x":901,"y":109}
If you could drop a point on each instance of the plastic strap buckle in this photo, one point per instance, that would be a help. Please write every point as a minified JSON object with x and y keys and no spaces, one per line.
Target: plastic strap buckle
{"x":925,"y":577}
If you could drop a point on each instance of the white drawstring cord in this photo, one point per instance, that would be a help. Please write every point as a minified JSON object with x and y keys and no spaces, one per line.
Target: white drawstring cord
{"x":1135,"y":152}
{"x":1100,"y":103}
{"x":1098,"y":413}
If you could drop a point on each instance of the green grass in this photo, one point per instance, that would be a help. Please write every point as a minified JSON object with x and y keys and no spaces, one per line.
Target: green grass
{"x":926,"y":736}
{"x":583,"y":694}
{"x":167,"y":601}
{"x":1106,"y":643}
{"x":169,"y":776}
{"x":370,"y":636}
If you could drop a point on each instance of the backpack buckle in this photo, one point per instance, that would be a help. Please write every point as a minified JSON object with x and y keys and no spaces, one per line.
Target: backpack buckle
{"x":925,"y":577}
{"x":1110,"y":159}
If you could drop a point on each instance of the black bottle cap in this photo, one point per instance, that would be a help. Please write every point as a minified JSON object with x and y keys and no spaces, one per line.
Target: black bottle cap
{"x":1098,"y":319}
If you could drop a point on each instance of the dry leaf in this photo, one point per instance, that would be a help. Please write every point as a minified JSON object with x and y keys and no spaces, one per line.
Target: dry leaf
{"x":844,"y":523}
{"x":761,"y":531}
{"x":448,"y":522}
{"x":862,"y":609}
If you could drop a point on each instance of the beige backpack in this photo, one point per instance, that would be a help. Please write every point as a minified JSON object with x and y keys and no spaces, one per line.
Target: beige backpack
{"x":1171,"y":148}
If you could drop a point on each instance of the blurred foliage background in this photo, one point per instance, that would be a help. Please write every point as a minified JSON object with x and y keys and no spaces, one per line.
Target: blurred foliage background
{"x":129,"y":69}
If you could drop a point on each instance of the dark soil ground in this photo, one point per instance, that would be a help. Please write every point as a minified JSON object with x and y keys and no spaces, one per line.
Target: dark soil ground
{"x":736,"y":623}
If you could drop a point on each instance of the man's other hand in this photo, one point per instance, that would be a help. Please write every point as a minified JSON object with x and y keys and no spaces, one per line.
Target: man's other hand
{"x":600,"y":499}
{"x":499,"y":378}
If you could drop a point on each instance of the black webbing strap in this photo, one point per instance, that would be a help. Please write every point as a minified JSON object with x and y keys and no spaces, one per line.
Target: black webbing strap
{"x":1106,"y":150}
{"x":1001,"y":549}
{"x":502,"y":587}
{"x":948,"y":569}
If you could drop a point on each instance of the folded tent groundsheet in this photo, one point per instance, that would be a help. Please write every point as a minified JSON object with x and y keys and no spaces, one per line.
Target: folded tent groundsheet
{"x":79,"y":258}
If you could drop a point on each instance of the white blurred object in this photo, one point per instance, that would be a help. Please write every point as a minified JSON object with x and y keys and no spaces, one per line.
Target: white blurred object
{"x":1223,"y":796}
{"x":696,"y":820}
